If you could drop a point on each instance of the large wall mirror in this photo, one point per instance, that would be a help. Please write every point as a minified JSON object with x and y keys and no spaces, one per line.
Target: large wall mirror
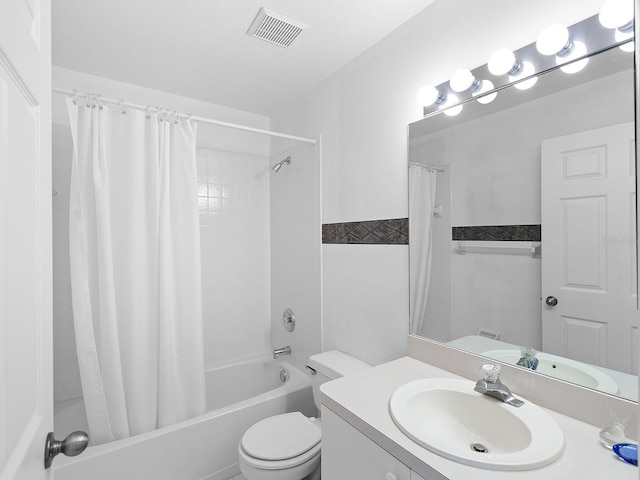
{"x":523,"y":226}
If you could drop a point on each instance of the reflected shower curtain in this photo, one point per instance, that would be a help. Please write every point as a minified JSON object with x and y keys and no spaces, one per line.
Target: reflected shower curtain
{"x":135,"y":270}
{"x":422,"y":194}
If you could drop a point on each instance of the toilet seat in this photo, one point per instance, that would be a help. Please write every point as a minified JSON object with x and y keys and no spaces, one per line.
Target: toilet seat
{"x":281,"y":442}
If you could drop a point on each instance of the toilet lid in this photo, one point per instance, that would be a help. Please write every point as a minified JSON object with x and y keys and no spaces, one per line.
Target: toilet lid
{"x":281,"y":437}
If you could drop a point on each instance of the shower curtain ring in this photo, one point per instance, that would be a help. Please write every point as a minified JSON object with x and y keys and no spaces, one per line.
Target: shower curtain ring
{"x":122,"y":110}
{"x":148,"y":112}
{"x":76,"y":97}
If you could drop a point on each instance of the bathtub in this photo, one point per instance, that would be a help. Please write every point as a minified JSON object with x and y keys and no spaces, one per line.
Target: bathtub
{"x":202,"y":448}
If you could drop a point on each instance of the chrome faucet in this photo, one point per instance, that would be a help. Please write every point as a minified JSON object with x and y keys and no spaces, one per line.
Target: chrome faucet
{"x":278,"y":352}
{"x":528,"y":358}
{"x":492,"y":386}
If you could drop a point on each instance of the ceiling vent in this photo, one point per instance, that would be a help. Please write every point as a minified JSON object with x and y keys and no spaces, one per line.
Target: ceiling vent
{"x":275,"y":28}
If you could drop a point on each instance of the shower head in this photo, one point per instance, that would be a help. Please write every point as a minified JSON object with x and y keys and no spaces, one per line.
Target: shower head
{"x":276,"y":168}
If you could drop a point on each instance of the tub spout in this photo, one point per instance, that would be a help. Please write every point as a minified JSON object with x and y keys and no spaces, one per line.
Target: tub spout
{"x":278,"y":352}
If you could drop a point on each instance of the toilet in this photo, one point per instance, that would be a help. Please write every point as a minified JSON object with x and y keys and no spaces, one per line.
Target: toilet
{"x":287,"y":446}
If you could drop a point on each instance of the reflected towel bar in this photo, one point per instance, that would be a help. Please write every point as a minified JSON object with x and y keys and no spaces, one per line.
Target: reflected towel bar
{"x":499,"y":247}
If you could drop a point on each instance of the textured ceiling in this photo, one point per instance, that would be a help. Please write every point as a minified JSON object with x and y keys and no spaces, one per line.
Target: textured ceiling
{"x":200,"y":49}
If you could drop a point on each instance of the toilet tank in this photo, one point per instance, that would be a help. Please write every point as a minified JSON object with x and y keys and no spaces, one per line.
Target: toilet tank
{"x":331,"y":365}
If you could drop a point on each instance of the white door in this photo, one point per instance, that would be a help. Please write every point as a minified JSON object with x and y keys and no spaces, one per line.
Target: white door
{"x":26,"y":400}
{"x":589,"y":247}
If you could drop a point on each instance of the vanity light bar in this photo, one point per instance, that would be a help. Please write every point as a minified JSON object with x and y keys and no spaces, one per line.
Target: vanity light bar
{"x":583,"y":39}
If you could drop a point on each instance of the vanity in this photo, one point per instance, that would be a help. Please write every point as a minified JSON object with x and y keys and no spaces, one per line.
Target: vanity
{"x":361,"y":440}
{"x":522,"y":242}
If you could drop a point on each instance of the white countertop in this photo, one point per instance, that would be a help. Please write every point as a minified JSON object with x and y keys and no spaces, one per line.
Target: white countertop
{"x":363,"y":401}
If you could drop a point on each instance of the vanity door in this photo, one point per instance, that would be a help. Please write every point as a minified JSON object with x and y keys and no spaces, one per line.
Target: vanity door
{"x":348,"y":455}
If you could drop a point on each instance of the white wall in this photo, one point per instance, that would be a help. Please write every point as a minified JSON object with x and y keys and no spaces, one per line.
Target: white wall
{"x":233,"y":186}
{"x":295,"y":249}
{"x":362,"y":112}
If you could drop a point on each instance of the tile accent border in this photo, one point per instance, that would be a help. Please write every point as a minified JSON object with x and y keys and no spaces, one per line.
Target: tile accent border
{"x":373,"y":232}
{"x":505,"y":233}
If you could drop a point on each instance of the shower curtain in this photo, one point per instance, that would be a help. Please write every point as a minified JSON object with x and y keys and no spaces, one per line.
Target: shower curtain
{"x":422,"y":194}
{"x":135,"y":269}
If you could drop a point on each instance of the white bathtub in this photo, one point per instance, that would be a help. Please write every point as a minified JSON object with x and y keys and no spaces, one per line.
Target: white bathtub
{"x":204,"y":447}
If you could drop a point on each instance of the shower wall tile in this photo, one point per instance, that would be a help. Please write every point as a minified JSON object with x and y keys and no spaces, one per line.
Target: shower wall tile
{"x":372,"y":232}
{"x":233,"y":198}
{"x":296,"y":263}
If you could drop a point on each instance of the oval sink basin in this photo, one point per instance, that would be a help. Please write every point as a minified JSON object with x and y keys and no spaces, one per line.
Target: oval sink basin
{"x":448,"y":417}
{"x":561,"y":368}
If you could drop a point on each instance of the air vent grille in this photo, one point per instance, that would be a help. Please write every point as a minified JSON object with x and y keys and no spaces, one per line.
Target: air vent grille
{"x":275,"y":28}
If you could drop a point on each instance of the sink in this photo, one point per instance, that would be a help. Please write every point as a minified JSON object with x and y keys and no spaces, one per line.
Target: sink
{"x":561,"y":368}
{"x":448,"y":417}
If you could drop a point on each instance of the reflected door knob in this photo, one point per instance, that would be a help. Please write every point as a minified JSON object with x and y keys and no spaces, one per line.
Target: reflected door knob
{"x":73,"y":445}
{"x":551,"y":301}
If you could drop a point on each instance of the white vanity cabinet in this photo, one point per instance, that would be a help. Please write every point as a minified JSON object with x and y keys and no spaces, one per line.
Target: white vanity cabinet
{"x":415,"y":476}
{"x":348,"y":455}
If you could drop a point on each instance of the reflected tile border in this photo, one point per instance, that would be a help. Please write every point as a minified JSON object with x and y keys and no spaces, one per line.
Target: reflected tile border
{"x":372,"y":232}
{"x":504,"y":233}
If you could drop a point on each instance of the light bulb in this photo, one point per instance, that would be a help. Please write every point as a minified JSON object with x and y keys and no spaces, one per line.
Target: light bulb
{"x":616,"y":14}
{"x":448,"y":107}
{"x":485,"y":86}
{"x":553,"y":40}
{"x":621,"y":37}
{"x":525,"y":71}
{"x":502,"y":61}
{"x":579,"y":50}
{"x":462,"y":80}
{"x":428,"y":95}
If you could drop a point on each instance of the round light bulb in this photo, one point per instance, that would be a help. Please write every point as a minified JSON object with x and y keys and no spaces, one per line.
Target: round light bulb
{"x":501,"y":61}
{"x":462,"y":80}
{"x":623,"y":36}
{"x":616,"y":13}
{"x":553,"y":39}
{"x":428,"y":95}
{"x":525,"y":71}
{"x":579,"y":50}
{"x":485,"y":86}
{"x":448,"y":107}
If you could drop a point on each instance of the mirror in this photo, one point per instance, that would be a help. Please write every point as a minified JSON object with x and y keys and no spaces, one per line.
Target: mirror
{"x":523,"y":226}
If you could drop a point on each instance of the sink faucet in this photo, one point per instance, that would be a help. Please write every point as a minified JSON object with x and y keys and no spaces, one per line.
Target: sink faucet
{"x":528,"y":358}
{"x":278,"y":352}
{"x":492,"y":386}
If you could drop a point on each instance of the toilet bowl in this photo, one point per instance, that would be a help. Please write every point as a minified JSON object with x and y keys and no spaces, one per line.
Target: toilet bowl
{"x":287,"y":446}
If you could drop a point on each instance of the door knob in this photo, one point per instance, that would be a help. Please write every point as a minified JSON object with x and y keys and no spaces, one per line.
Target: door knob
{"x":73,"y":445}
{"x":551,"y":301}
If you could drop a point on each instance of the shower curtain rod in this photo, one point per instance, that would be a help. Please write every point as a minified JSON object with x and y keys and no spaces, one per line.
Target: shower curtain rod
{"x":432,"y":168}
{"x":72,"y":93}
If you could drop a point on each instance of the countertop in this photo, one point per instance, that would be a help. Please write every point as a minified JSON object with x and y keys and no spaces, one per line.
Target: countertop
{"x":363,"y":401}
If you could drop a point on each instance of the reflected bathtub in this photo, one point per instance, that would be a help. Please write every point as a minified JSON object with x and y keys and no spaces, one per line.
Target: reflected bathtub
{"x":202,"y":448}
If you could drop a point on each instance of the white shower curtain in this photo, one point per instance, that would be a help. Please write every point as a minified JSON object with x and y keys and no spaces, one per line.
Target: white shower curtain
{"x":135,"y":270}
{"x":422,"y":194}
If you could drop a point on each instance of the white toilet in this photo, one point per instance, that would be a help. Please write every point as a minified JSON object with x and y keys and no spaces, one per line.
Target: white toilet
{"x":287,"y":446}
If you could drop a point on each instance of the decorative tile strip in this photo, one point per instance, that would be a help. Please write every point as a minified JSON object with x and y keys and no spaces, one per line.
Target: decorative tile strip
{"x":506,"y":233}
{"x":377,"y":232}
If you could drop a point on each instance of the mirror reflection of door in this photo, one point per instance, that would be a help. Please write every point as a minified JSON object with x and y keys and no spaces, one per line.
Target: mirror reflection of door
{"x":588,"y":266}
